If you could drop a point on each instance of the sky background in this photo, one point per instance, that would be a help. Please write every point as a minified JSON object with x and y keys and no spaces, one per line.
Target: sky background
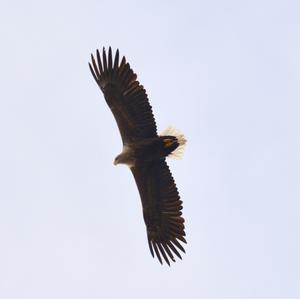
{"x":226,"y":73}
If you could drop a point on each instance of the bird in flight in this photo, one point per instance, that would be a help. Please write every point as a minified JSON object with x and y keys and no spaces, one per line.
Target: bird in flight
{"x":145,"y":152}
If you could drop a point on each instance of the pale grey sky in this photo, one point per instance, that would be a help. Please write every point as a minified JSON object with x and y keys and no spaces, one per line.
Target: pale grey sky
{"x":226,"y":73}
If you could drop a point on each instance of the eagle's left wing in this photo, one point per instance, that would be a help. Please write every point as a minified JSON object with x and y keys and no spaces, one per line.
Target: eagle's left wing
{"x":161,"y":209}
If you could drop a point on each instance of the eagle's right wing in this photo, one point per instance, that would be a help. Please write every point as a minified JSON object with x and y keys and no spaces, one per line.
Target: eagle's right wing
{"x":161,"y":209}
{"x":124,"y":95}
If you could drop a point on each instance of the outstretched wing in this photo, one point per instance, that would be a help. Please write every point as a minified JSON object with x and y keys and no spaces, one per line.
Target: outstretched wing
{"x":124,"y":95}
{"x":161,"y":209}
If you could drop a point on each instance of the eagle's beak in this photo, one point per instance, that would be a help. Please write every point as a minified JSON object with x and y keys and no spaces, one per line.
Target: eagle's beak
{"x":115,"y":162}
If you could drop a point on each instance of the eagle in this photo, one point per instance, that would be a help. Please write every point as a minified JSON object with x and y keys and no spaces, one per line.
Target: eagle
{"x":144,"y":152}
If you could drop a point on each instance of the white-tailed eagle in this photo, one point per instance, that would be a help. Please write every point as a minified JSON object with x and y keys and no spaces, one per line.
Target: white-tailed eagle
{"x":145,"y":152}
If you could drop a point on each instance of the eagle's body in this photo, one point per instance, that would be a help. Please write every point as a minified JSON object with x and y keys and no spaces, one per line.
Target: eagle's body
{"x":147,"y":150}
{"x":144,"y":151}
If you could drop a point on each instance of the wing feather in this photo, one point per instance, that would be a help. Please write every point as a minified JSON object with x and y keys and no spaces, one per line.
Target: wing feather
{"x":110,"y":59}
{"x":116,"y":61}
{"x":99,"y":62}
{"x":104,"y":60}
{"x":95,"y":66}
{"x":161,"y":209}
{"x":92,"y":71}
{"x":157,"y":252}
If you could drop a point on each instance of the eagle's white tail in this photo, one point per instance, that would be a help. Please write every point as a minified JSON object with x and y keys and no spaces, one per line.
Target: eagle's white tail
{"x":178,"y":152}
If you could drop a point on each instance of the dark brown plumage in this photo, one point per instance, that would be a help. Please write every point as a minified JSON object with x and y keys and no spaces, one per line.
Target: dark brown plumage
{"x":144,"y":152}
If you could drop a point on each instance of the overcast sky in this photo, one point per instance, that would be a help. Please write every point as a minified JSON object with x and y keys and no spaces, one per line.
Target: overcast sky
{"x":226,"y":73}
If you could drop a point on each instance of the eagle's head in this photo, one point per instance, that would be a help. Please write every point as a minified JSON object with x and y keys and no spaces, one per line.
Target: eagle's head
{"x":117,"y":160}
{"x":125,"y":158}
